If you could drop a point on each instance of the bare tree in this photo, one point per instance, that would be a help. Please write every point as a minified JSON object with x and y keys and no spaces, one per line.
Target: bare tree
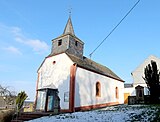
{"x":8,"y":95}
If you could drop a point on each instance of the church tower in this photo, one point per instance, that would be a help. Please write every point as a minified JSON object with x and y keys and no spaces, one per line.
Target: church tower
{"x":68,"y":42}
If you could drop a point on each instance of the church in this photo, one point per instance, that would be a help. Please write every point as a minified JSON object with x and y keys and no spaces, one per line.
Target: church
{"x":68,"y":81}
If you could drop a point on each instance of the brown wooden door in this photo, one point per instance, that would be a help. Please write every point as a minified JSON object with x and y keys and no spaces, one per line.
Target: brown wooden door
{"x":126,"y":98}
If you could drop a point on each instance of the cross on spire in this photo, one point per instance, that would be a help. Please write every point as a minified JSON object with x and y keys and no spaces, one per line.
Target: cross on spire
{"x":70,"y":11}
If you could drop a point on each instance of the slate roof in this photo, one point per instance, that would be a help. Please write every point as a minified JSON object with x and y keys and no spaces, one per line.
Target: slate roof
{"x":128,"y":85}
{"x":69,"y":27}
{"x":93,"y":66}
{"x":68,"y":30}
{"x":69,"y":35}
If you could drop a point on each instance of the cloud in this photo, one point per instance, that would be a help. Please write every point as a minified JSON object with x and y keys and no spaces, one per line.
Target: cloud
{"x":9,"y":34}
{"x":13,"y":50}
{"x":37,"y":45}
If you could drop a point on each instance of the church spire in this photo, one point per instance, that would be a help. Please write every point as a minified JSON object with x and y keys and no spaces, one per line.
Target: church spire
{"x":68,"y":42}
{"x":69,"y":27}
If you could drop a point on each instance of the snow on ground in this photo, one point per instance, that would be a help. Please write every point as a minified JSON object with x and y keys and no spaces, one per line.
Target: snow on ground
{"x":120,"y":113}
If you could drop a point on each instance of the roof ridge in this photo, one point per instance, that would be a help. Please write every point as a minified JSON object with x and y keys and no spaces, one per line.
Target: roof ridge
{"x":93,"y":66}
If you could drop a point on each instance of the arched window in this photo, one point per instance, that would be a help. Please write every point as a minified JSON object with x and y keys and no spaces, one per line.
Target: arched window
{"x":98,"y":89}
{"x":117,"y":94}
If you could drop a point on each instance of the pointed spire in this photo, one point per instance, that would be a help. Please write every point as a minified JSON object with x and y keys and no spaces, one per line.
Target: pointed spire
{"x":69,"y":27}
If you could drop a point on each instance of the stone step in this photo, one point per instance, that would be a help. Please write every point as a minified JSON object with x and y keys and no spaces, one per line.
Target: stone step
{"x":29,"y":116}
{"x":16,"y":120}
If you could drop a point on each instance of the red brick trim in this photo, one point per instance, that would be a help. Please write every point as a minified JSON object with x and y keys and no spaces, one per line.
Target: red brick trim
{"x":36,"y":90}
{"x":65,"y":111}
{"x":98,"y":89}
{"x":72,"y":87}
{"x":84,"y":108}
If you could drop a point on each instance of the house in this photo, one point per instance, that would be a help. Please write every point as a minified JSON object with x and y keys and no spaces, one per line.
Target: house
{"x":138,"y":74}
{"x":68,"y":81}
{"x":7,"y":102}
{"x":28,"y":106}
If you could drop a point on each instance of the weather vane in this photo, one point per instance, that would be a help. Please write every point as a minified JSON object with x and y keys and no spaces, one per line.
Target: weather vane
{"x":70,"y":11}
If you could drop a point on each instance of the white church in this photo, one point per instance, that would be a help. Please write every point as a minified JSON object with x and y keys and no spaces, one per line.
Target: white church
{"x":68,"y":82}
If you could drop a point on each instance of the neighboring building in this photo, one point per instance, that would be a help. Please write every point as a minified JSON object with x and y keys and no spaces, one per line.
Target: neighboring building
{"x":7,"y":102}
{"x":138,"y":80}
{"x":68,"y":81}
{"x":28,"y":106}
{"x":2,"y":102}
{"x":128,"y":91}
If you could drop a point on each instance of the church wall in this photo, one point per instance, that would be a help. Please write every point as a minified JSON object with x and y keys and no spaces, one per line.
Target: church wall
{"x":85,"y":89}
{"x":56,"y":75}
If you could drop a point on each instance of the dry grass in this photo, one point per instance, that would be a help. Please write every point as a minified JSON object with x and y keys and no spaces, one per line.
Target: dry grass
{"x":6,"y":115}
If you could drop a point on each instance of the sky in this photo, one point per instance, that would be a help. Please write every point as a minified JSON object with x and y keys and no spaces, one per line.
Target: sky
{"x":27,"y":28}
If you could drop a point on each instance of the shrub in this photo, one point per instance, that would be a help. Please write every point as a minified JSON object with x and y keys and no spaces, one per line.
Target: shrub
{"x":6,"y":115}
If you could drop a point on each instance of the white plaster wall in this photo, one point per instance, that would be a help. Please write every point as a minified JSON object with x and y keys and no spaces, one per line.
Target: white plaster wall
{"x":146,"y":90}
{"x":131,"y":91}
{"x":56,"y":75}
{"x":85,"y":89}
{"x":138,"y":73}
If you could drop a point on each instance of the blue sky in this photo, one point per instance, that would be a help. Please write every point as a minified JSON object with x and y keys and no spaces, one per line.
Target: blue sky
{"x":27,"y":28}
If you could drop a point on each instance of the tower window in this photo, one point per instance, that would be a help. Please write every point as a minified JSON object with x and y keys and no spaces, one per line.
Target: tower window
{"x":60,"y":42}
{"x":76,"y":43}
{"x":98,"y":89}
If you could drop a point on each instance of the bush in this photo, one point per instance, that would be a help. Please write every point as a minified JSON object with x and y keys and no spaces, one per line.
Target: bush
{"x":6,"y":115}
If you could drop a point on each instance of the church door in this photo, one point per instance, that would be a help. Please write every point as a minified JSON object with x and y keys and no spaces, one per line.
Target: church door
{"x":52,"y":102}
{"x":48,"y":100}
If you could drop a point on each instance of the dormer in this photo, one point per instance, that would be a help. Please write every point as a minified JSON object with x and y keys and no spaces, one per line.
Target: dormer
{"x":68,"y":42}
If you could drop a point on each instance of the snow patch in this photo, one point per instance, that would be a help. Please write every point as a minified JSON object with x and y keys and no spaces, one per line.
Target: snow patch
{"x":121,"y":113}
